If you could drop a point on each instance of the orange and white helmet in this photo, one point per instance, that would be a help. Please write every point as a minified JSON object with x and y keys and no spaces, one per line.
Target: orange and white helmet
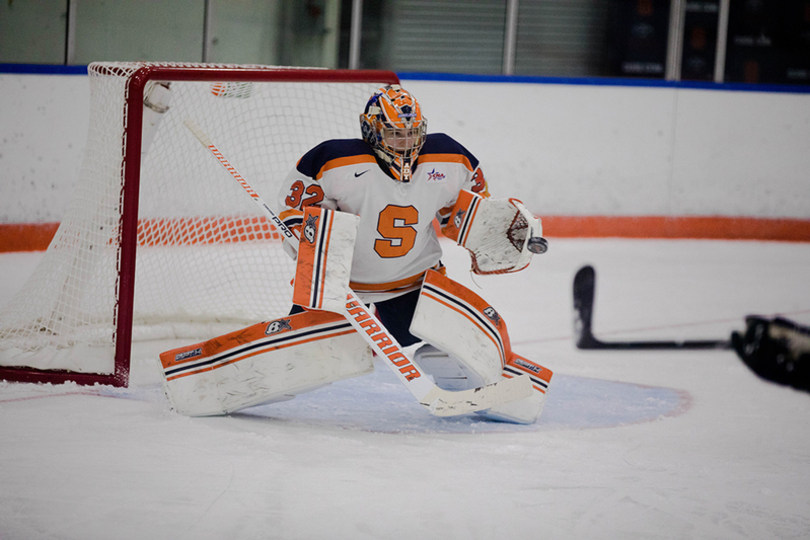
{"x":392,"y":123}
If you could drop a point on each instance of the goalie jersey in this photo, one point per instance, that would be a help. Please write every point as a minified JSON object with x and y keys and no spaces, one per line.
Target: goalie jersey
{"x":396,"y":241}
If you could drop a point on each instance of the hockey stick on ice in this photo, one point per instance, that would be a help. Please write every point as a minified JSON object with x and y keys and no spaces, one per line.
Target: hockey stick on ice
{"x":584,"y":288}
{"x":438,"y":401}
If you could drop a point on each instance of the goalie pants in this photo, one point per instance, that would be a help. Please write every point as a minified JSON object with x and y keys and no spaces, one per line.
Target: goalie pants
{"x":396,"y":315}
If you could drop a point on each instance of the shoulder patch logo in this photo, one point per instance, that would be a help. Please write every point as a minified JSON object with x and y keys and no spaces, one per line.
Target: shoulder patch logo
{"x":310,"y":227}
{"x":357,"y":174}
{"x":278,"y":326}
{"x":435,"y":176}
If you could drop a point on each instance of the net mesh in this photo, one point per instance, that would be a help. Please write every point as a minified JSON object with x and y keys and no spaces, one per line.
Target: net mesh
{"x":207,"y":260}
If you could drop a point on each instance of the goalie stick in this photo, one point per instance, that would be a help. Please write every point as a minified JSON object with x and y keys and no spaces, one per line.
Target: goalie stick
{"x":438,"y":401}
{"x":584,"y":289}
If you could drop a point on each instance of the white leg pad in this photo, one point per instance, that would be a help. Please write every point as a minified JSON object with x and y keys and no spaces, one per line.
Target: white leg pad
{"x":263,"y":363}
{"x":458,"y":322}
{"x":449,"y":373}
{"x":526,"y":410}
{"x":470,"y":347}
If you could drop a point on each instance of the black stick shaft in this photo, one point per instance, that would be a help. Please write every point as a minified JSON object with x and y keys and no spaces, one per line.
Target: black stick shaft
{"x":584,"y":291}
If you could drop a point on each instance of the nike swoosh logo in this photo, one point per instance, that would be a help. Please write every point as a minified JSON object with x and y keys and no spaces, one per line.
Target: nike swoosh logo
{"x":360,"y":174}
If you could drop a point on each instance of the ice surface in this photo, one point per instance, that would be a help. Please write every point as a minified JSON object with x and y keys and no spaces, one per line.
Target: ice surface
{"x":641,"y":444}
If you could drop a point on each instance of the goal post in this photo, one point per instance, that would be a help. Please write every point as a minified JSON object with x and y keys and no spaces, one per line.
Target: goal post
{"x":157,"y":242}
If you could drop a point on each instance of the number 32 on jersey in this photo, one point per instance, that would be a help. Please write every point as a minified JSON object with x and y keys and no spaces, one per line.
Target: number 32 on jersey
{"x":394,"y":223}
{"x":301,"y":197}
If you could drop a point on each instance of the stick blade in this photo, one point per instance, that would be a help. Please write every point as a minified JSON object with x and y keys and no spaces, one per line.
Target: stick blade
{"x":584,"y":288}
{"x":447,"y":403}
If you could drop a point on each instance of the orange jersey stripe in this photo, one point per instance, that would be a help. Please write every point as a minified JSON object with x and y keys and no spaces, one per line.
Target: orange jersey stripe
{"x":394,"y":285}
{"x":343,"y":162}
{"x":445,"y":158}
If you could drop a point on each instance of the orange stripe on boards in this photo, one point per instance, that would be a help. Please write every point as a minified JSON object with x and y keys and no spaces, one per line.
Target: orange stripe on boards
{"x":153,"y":232}
{"x":26,"y":236}
{"x":37,"y":236}
{"x":696,"y":227}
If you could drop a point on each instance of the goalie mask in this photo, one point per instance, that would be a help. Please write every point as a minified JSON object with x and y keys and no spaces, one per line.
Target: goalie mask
{"x":393,"y":125}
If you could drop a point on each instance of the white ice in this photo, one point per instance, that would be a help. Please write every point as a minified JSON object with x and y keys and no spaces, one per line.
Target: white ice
{"x":668,"y":445}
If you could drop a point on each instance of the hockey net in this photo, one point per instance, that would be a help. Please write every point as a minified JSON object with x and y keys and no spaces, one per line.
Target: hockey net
{"x":158,"y":241}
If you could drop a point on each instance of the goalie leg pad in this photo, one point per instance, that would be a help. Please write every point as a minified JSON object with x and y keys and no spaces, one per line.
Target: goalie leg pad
{"x":452,"y":374}
{"x":325,"y":255}
{"x":471,"y":347}
{"x":461,"y":324}
{"x":263,"y":363}
{"x":526,"y":410}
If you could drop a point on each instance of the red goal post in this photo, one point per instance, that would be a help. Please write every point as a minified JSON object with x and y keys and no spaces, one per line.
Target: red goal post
{"x":150,"y":199}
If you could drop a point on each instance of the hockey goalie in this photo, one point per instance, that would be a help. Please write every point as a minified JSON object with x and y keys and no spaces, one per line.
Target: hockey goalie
{"x":362,"y":215}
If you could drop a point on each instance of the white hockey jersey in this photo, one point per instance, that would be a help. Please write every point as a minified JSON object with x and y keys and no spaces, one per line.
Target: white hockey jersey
{"x":396,"y":241}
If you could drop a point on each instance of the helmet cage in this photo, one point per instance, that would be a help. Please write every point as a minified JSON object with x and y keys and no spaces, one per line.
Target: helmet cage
{"x":394,"y":127}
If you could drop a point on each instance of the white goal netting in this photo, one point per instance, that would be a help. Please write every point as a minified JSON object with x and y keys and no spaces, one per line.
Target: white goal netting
{"x":207,"y":261}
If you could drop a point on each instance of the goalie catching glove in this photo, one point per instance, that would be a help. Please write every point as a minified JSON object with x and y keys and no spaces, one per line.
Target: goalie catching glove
{"x":500,"y":234}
